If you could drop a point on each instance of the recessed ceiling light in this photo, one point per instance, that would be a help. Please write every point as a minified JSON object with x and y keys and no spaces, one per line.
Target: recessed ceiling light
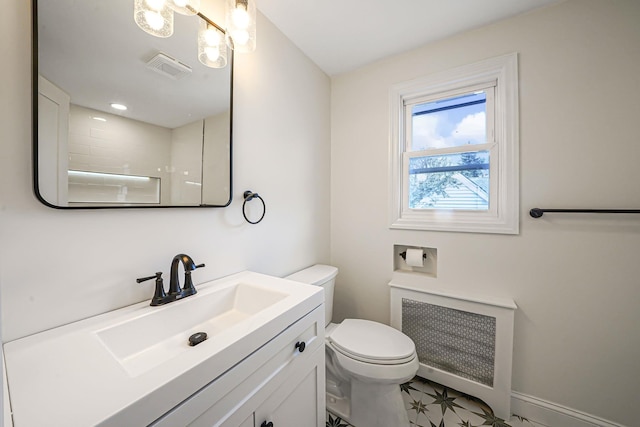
{"x":119,"y":107}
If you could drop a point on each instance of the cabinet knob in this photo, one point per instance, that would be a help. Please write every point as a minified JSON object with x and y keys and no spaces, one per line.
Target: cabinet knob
{"x":300,"y":345}
{"x":266,"y":424}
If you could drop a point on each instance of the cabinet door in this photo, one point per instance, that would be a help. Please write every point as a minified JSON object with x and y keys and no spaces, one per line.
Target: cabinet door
{"x":248,"y":422}
{"x":300,"y":401}
{"x":232,"y":399}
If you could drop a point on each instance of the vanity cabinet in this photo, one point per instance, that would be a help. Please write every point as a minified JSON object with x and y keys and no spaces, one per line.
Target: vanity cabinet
{"x":296,"y":401}
{"x":282,"y":383}
{"x":134,"y":366}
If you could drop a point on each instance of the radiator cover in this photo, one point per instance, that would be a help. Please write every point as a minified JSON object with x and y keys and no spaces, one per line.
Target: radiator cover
{"x":463,"y":342}
{"x":454,"y":341}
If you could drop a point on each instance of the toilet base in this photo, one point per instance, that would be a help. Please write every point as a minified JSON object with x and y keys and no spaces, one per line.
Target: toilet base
{"x":370,"y":405}
{"x":337,"y":396}
{"x":338,"y":406}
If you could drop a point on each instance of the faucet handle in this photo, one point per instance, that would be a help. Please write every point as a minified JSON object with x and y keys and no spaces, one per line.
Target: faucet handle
{"x":188,"y":288}
{"x":144,"y":279}
{"x":159,"y":296}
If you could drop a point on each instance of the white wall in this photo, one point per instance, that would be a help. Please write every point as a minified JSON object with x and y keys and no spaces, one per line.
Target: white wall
{"x":574,"y":277}
{"x":130,"y":147}
{"x":60,"y":266}
{"x":186,"y":164}
{"x":119,"y":146}
{"x":215,"y":169}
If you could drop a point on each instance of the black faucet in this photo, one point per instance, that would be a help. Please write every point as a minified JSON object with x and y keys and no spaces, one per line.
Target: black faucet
{"x":174,"y":283}
{"x":175,"y":292}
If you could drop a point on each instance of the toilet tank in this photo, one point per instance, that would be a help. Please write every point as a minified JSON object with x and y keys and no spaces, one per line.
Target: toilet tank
{"x":320,"y":275}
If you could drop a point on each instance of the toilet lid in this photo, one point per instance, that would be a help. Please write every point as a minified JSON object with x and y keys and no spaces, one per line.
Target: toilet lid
{"x":372,"y":342}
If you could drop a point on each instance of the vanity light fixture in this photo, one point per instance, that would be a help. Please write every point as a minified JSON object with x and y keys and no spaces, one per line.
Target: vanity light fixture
{"x":185,"y":7}
{"x":212,"y":50}
{"x":240,"y":21}
{"x":156,"y":18}
{"x":100,"y":119}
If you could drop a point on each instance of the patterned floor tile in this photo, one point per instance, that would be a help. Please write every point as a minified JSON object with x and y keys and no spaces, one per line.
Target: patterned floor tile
{"x":433,"y":405}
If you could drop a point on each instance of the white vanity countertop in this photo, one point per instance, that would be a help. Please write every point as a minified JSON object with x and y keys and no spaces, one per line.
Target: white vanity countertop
{"x":68,"y":377}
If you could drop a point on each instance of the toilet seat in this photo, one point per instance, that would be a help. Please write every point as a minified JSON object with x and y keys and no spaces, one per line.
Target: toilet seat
{"x":371,"y":342}
{"x":375,"y":372}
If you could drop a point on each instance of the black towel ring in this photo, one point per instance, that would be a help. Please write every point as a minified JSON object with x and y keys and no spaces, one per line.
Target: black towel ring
{"x":248,"y":196}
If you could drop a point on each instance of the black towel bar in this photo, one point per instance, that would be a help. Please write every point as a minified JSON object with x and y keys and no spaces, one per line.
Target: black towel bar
{"x":537,"y":212}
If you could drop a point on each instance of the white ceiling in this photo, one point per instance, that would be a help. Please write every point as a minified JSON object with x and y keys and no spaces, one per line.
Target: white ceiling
{"x":94,"y":51}
{"x":341,"y":35}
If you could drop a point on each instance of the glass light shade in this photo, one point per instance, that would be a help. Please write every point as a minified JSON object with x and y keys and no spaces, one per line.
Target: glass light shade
{"x":154,"y":17}
{"x":212,"y":50}
{"x":240,"y":20}
{"x":185,"y":7}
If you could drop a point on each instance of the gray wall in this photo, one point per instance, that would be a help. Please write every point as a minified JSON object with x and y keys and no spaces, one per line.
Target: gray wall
{"x":575,"y":278}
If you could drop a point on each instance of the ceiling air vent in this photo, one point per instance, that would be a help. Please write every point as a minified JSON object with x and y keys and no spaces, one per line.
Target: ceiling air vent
{"x":168,"y":66}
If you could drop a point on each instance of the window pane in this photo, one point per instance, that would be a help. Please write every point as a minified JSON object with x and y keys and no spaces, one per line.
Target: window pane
{"x":451,"y":181}
{"x":450,"y":122}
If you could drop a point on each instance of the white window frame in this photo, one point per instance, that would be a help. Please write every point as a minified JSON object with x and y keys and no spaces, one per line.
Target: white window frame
{"x":502,"y":143}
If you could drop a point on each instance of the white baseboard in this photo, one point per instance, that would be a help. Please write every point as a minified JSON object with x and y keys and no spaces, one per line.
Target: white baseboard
{"x":553,"y":415}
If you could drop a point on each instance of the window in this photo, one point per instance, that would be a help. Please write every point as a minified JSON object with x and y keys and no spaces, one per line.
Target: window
{"x":447,"y":151}
{"x":454,"y":150}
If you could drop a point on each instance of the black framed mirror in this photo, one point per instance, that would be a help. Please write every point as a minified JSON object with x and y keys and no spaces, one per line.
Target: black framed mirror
{"x":172,"y":145}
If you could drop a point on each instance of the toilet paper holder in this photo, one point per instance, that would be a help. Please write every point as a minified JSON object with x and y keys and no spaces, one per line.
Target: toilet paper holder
{"x":413,"y":259}
{"x":403,"y":255}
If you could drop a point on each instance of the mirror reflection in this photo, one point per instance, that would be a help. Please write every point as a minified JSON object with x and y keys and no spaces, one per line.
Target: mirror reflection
{"x":126,"y":119}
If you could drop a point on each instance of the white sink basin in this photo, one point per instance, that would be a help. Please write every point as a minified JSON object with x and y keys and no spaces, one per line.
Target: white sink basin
{"x":127,"y":366}
{"x":162,"y":333}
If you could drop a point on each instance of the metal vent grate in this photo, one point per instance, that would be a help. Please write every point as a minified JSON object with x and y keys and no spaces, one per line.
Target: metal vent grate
{"x":168,"y":66}
{"x":454,"y":341}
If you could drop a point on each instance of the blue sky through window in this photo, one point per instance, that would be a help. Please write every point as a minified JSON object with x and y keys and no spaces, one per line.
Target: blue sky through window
{"x":453,"y":180}
{"x":449,"y":122}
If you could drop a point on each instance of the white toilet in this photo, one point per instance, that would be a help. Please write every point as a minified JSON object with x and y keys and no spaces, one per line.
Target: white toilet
{"x":366,"y":362}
